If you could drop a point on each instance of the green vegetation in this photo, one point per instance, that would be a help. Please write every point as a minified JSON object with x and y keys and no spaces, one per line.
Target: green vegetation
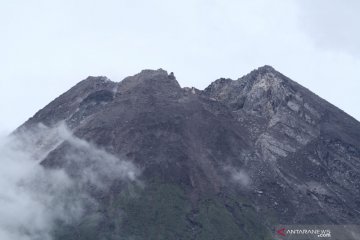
{"x":162,"y":211}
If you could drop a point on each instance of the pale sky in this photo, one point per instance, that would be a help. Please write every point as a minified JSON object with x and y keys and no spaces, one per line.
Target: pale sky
{"x":46,"y":47}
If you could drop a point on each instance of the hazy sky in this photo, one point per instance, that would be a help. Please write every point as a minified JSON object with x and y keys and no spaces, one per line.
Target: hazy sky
{"x":48,"y":46}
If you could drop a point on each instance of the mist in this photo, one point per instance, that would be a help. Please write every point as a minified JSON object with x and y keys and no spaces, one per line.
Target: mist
{"x":34,"y":198}
{"x":238,"y":176}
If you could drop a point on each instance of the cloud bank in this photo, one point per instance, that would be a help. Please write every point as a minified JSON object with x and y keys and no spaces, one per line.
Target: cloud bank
{"x":33,"y":198}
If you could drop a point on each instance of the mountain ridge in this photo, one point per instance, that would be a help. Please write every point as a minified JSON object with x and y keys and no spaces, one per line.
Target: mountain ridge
{"x":219,"y":158}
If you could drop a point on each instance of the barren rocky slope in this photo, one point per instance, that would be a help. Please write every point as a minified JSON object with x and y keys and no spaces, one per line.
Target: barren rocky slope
{"x":227,"y":162}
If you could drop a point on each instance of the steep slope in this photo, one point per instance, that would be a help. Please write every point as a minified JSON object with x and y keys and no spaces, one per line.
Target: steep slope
{"x":228,"y":162}
{"x":86,"y":95}
{"x":308,"y":148}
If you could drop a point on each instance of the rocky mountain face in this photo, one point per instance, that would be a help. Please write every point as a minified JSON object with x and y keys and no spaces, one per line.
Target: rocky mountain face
{"x":227,"y":162}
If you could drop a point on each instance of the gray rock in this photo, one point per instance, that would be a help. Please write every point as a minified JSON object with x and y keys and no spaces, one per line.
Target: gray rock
{"x":296,"y":156}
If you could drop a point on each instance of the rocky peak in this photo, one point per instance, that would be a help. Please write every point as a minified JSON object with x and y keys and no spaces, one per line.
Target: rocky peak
{"x":215,"y":161}
{"x":97,"y":79}
{"x":151,"y":80}
{"x":261,"y":91}
{"x":64,"y":106}
{"x":265,"y":70}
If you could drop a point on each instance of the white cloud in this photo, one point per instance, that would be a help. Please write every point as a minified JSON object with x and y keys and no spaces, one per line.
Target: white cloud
{"x":32,"y":197}
{"x":239,"y":176}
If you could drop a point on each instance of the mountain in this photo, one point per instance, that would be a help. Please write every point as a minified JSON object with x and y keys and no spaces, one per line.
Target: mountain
{"x":227,"y":162}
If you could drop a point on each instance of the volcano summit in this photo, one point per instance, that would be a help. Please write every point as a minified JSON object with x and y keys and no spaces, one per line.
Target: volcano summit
{"x":227,"y":162}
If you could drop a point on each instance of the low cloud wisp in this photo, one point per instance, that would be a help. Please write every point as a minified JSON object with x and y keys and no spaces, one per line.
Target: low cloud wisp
{"x":238,"y":176}
{"x":33,"y":198}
